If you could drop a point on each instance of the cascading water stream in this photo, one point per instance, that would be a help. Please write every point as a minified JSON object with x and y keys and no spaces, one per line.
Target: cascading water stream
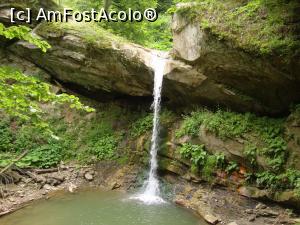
{"x":151,"y":194}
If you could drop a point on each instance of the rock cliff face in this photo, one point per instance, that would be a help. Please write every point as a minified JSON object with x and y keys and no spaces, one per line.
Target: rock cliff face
{"x":171,"y":162}
{"x":264,"y":84}
{"x":205,"y":71}
{"x":91,"y":60}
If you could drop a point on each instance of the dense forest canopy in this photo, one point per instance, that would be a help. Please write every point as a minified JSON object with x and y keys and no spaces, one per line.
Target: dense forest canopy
{"x":151,"y":34}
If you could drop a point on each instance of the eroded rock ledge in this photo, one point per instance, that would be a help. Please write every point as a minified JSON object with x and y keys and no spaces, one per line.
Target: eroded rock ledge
{"x":207,"y":71}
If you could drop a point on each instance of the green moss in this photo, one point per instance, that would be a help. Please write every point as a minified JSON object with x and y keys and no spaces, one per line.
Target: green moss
{"x":91,"y":33}
{"x":261,"y":26}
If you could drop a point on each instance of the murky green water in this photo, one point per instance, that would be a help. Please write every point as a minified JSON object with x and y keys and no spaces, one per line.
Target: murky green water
{"x":99,"y":208}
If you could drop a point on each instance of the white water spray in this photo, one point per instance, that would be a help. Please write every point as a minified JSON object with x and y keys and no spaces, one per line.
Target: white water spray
{"x":151,"y":193}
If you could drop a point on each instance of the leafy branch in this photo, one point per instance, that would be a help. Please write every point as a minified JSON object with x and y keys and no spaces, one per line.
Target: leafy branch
{"x":23,"y":33}
{"x":22,"y":95}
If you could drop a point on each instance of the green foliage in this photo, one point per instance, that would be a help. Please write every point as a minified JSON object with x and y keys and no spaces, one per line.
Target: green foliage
{"x":191,"y":125}
{"x":231,"y":167}
{"x":101,"y":140}
{"x":264,"y":137}
{"x":21,"y":101}
{"x":84,"y":139}
{"x":98,"y":138}
{"x":150,"y":34}
{"x":225,"y":124}
{"x":158,"y":34}
{"x":142,"y":125}
{"x":23,"y":33}
{"x":195,"y":153}
{"x":44,"y":151}
{"x":250,"y":151}
{"x":220,"y":160}
{"x":276,"y":152}
{"x":105,"y":147}
{"x":144,"y":122}
{"x":21,"y":97}
{"x":44,"y":156}
{"x":6,"y":137}
{"x":5,"y":158}
{"x":202,"y":160}
{"x":27,"y":137}
{"x":287,"y":180}
{"x":209,"y":167}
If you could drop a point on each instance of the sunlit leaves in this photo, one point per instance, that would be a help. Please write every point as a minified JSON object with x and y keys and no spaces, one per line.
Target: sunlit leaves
{"x":23,"y":33}
{"x":21,"y":97}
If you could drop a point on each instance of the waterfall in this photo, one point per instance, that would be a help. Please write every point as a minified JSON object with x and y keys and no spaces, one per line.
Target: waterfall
{"x":151,"y":194}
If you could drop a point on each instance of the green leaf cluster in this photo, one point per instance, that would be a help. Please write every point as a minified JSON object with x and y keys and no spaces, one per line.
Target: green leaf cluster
{"x":44,"y":156}
{"x":21,"y":97}
{"x":23,"y":33}
{"x":44,"y":151}
{"x":150,"y":34}
{"x":200,"y":159}
{"x":101,"y":140}
{"x":142,"y":125}
{"x":287,"y":180}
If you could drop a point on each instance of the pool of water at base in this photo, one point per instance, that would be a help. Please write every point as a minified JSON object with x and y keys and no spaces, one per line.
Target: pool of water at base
{"x":99,"y":208}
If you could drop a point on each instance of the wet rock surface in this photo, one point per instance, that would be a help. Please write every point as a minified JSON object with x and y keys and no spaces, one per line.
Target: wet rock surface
{"x":233,"y":149}
{"x":219,"y":205}
{"x":233,"y":76}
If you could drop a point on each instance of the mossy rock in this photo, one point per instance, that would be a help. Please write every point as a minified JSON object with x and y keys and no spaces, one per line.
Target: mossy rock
{"x":169,"y":165}
{"x":88,"y":56}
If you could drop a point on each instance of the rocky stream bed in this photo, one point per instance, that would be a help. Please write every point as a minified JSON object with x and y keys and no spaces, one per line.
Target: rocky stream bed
{"x":216,"y":204}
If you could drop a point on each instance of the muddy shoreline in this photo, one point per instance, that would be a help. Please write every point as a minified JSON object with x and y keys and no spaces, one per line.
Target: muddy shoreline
{"x":217,"y":204}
